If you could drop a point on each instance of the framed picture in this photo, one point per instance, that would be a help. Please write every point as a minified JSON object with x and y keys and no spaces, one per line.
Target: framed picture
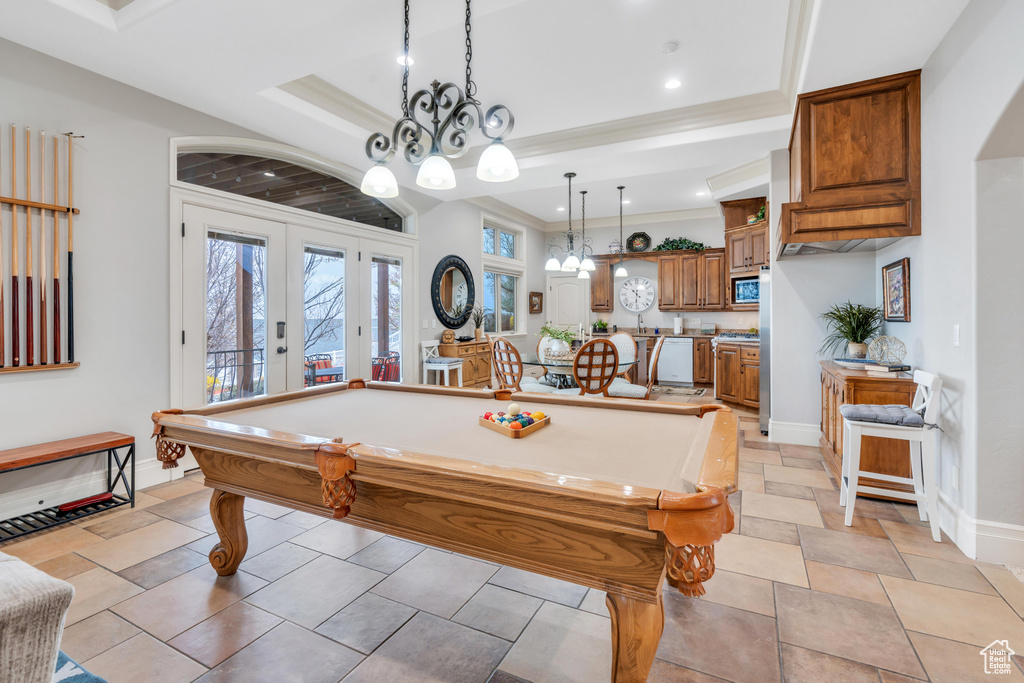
{"x":896,"y":291}
{"x":536,"y":302}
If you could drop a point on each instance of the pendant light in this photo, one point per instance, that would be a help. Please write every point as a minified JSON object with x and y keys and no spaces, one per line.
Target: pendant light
{"x":587,"y":264}
{"x":571,"y":262}
{"x":620,"y":271}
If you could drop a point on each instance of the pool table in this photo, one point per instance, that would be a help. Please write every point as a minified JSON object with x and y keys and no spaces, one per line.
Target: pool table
{"x":616,"y":495}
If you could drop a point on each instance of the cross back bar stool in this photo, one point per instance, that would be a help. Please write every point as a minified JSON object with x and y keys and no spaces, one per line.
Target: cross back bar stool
{"x":916,"y":424}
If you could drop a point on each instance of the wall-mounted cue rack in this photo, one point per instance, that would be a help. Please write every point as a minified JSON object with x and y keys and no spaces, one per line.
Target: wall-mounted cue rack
{"x":37,"y":316}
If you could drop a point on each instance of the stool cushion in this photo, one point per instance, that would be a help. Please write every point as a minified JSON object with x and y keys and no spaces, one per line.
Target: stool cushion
{"x":903,"y":416}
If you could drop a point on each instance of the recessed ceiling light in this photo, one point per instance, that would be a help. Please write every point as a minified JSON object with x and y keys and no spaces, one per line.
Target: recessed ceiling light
{"x":269,"y":174}
{"x":625,"y":201}
{"x":701,"y":193}
{"x":401,"y":60}
{"x":673,"y":83}
{"x":670,"y":47}
{"x":561,"y":208}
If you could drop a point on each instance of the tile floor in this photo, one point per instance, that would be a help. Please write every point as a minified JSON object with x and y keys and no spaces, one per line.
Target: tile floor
{"x":797,"y":596}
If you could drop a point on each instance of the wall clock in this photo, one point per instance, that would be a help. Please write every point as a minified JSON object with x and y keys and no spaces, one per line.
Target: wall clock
{"x":636,"y":294}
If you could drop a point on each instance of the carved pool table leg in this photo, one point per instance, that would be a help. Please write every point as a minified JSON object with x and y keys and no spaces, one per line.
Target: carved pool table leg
{"x":636,"y":632}
{"x":226,"y":511}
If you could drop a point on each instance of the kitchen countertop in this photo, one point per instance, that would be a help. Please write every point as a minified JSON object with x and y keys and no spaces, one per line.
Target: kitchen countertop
{"x":696,"y":334}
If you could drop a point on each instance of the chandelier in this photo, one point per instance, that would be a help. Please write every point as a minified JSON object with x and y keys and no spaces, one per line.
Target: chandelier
{"x":577,"y":247}
{"x":435,"y":127}
{"x":620,"y":271}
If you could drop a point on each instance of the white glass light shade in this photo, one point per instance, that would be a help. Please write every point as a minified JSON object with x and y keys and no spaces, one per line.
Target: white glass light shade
{"x":497,"y":164}
{"x":621,"y":271}
{"x":588,"y":264}
{"x":584,"y":275}
{"x":379,"y":181}
{"x":571,"y":263}
{"x":436,"y":173}
{"x":552,"y":264}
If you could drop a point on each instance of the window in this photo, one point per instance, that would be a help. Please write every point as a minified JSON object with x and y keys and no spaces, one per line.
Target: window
{"x":501,"y":302}
{"x":501,"y":242}
{"x":503,"y":298}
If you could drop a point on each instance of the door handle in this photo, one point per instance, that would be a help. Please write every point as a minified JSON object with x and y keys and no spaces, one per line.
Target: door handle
{"x":282,"y":349}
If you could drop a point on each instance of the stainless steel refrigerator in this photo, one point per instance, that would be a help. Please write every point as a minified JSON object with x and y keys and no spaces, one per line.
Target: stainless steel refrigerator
{"x":765,"y":328}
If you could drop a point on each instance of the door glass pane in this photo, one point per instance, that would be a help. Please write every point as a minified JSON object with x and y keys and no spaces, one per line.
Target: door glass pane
{"x":489,"y":302}
{"x":386,"y":318}
{"x":323,"y":316}
{"x":508,"y":303}
{"x":235,"y":317}
{"x":488,"y":240}
{"x":508,"y":245}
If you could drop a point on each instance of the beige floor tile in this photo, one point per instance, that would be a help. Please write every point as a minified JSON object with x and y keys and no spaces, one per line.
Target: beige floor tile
{"x":793,"y":451}
{"x":951,"y":574}
{"x":764,"y":559}
{"x":850,"y":583}
{"x":387,"y":554}
{"x":953,"y":614}
{"x":222,"y":635}
{"x":436,"y":582}
{"x":828,"y":501}
{"x":562,"y":645}
{"x":951,"y":662}
{"x":852,"y":550}
{"x":498,"y":611}
{"x":752,"y":467}
{"x":136,"y":546}
{"x":300,"y":596}
{"x":1006,"y":583}
{"x":65,"y":566}
{"x":95,"y":635}
{"x":338,"y":540}
{"x":718,"y":640}
{"x":144,"y":658}
{"x":843,"y":627}
{"x":916,"y":540}
{"x":763,"y":445}
{"x":800,"y":665}
{"x":266,"y":509}
{"x":366,"y":622}
{"x":181,"y":603}
{"x":280,"y":560}
{"x":864,"y":526}
{"x":777,"y":488}
{"x":163,"y":567}
{"x":769,"y":529}
{"x":142,"y":501}
{"x":115,"y":526}
{"x":432,"y":650}
{"x":890,"y":677}
{"x":303,"y":520}
{"x":544,"y":587}
{"x":748,"y":481}
{"x":740,"y":591}
{"x":781,"y":508}
{"x":287,"y":653}
{"x":595,"y":603}
{"x":95,"y":591}
{"x":667,"y":672}
{"x":804,"y":463}
{"x":910,"y":513}
{"x":176,"y":489}
{"x":45,"y":546}
{"x":798,"y":475}
{"x":761,"y":456}
{"x":182,"y":508}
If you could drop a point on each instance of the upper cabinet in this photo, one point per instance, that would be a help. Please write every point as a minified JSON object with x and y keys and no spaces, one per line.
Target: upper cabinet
{"x":746,"y":243}
{"x":855,"y":168}
{"x":691,"y":281}
{"x":601,"y":287}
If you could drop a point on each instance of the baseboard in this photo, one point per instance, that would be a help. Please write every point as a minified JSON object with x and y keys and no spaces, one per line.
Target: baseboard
{"x":981,"y":539}
{"x":24,"y":500}
{"x":794,"y":432}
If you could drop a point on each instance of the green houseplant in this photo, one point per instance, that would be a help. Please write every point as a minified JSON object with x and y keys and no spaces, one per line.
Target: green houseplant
{"x":600,"y":326}
{"x":561,"y":339}
{"x":671,"y":244}
{"x":478,"y":316}
{"x":853,"y":325}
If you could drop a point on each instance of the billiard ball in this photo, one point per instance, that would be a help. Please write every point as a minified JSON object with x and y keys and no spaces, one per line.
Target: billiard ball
{"x":515,"y":425}
{"x":513,"y":408}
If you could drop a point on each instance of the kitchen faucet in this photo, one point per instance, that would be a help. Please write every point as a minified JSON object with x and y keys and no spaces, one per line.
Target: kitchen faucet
{"x":639,"y":324}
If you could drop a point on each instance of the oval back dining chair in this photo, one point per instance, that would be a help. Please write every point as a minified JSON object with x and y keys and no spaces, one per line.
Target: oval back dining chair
{"x":621,"y":388}
{"x":508,"y":368}
{"x":596,"y":365}
{"x":627,"y":347}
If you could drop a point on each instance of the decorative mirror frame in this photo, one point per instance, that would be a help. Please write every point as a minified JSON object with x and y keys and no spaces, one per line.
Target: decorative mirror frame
{"x":452,"y":261}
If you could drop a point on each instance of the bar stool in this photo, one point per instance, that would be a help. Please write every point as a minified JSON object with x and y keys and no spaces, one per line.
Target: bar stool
{"x":916,"y":424}
{"x":434,"y":361}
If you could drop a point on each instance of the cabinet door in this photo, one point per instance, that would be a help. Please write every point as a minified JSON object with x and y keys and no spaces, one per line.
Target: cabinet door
{"x":712,"y":281}
{"x":482,"y":370}
{"x":759,"y":248}
{"x":727,"y":373}
{"x":601,"y":288}
{"x":737,"y":246}
{"x":468,"y":372}
{"x":668,"y":283}
{"x":750,"y":383}
{"x":702,"y":370}
{"x":689,"y":281}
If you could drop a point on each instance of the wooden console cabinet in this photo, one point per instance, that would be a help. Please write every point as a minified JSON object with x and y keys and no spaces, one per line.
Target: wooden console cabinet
{"x":884,"y":456}
{"x":738,"y":374}
{"x":476,"y":361}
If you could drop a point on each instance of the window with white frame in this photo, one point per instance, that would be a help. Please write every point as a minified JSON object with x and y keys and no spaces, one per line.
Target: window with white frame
{"x":504,"y":272}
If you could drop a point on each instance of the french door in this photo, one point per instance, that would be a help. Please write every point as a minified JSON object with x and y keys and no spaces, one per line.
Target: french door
{"x":270,"y":306}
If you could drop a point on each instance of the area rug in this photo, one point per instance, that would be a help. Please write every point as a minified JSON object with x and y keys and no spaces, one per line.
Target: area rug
{"x":69,"y":671}
{"x":678,"y":391}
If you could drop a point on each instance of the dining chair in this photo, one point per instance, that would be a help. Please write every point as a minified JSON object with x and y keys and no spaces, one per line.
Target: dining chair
{"x":558,"y":377}
{"x":627,"y":347}
{"x":594,"y":368}
{"x":508,"y":369}
{"x":622,"y":388}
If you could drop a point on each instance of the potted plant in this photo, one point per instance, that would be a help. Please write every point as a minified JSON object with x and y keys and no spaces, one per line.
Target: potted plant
{"x":852,"y":325}
{"x":560,"y":339}
{"x":478,"y":316}
{"x":600,"y":326}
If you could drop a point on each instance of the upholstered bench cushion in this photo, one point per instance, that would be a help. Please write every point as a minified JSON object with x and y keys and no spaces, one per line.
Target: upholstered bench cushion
{"x":32,"y":609}
{"x":903,"y":416}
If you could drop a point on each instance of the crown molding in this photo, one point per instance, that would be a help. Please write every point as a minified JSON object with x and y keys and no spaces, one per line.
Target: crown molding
{"x":653,"y":218}
{"x":748,"y":174}
{"x":316,"y":91}
{"x":509,"y":212}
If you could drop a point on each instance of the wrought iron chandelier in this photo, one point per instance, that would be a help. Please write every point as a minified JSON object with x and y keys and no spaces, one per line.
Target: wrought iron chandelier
{"x":620,"y":271}
{"x":577,"y":247}
{"x":435,"y":127}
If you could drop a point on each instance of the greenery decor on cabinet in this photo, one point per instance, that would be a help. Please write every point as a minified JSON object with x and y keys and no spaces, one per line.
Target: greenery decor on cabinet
{"x":671,"y":244}
{"x":851,"y":324}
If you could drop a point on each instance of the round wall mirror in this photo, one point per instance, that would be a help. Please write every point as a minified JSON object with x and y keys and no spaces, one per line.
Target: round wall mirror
{"x":452,"y":292}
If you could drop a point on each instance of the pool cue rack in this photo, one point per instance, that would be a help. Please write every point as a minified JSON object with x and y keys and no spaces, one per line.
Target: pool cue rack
{"x":36,"y":322}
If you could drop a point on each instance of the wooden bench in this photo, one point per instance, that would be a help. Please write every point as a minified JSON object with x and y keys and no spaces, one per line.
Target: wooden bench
{"x":66,"y":449}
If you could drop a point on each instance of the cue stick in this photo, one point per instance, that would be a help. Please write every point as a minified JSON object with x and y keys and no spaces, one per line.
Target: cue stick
{"x":71,"y":256}
{"x":56,"y":252}
{"x":42,"y":249}
{"x":30,"y":320}
{"x":15,"y":315}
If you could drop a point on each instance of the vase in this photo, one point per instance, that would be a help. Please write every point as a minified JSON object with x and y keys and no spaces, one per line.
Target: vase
{"x":558,"y":347}
{"x":857,"y":350}
{"x":479,"y":334}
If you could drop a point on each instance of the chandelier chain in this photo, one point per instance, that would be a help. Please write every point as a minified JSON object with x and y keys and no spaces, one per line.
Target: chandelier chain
{"x":405,"y":71}
{"x":470,"y":85}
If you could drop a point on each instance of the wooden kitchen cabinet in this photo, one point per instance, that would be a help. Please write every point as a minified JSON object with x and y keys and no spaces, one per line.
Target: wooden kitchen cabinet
{"x":884,"y":456}
{"x":703,"y":370}
{"x":668,"y":283}
{"x":738,"y":374}
{"x":692,"y":281}
{"x":750,"y":376}
{"x":747,"y":248}
{"x":601,"y":287}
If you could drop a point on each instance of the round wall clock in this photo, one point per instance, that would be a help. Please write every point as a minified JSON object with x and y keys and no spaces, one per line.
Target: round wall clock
{"x":638,"y":241}
{"x":636,"y":294}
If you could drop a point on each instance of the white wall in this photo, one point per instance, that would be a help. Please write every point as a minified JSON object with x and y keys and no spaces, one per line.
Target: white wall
{"x":121,"y":276}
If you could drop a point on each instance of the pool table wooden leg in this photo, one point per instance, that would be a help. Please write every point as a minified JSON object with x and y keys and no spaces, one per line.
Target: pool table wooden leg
{"x":636,"y":632}
{"x":226,"y":509}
